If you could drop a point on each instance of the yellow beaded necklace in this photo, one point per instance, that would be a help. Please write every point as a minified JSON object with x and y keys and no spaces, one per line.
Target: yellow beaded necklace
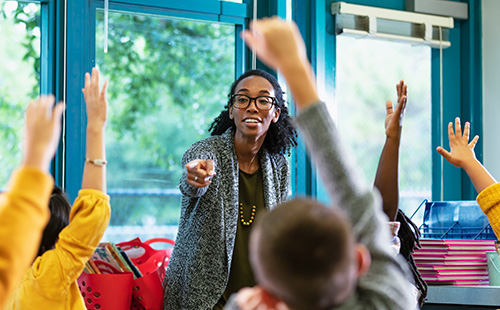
{"x":252,"y":215}
{"x":254,"y":208}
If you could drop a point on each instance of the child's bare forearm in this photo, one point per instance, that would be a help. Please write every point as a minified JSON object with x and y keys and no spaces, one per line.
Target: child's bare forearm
{"x":300,"y":79}
{"x":478,"y":174}
{"x":387,"y":177}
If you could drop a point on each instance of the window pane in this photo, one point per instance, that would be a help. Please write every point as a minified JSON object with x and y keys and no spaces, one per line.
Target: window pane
{"x":367,"y":73}
{"x":169,"y":78}
{"x":19,"y":77}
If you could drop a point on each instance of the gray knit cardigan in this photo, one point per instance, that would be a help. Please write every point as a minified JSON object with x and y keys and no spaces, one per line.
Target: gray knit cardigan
{"x":198,"y":270}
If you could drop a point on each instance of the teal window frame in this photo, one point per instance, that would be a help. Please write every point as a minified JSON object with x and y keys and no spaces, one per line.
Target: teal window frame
{"x":80,"y":57}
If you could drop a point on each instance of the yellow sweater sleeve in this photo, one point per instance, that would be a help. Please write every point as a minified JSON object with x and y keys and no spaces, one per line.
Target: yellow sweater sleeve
{"x":24,"y":213}
{"x":489,"y":201}
{"x":57,"y":269}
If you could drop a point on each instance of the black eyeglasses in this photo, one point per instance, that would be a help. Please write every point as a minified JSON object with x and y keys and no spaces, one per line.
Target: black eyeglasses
{"x":263,"y":103}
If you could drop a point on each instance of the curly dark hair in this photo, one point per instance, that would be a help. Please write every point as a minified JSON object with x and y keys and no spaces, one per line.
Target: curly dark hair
{"x":281,"y":135}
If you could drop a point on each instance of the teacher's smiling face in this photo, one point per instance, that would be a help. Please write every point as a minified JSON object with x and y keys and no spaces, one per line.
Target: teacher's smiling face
{"x":253,"y":107}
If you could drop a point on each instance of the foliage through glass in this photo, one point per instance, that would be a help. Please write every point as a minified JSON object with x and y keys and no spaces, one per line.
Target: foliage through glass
{"x":19,"y":77}
{"x":168,"y":79}
{"x":367,"y":74}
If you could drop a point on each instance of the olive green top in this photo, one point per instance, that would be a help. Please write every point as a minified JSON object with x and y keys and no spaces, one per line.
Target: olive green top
{"x":250,"y":195}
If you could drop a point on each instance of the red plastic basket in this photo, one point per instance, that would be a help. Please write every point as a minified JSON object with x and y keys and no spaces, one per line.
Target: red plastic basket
{"x":118,"y":290}
{"x":144,"y":257}
{"x":106,"y":291}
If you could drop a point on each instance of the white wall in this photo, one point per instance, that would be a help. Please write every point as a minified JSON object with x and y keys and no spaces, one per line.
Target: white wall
{"x":491,"y":86}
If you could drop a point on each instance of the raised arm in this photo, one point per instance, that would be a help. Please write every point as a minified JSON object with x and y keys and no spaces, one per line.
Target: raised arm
{"x":90,"y":212}
{"x":387,"y":176}
{"x":94,"y":171}
{"x":24,"y":211}
{"x":462,"y":155}
{"x":279,"y":45}
{"x":42,"y":132}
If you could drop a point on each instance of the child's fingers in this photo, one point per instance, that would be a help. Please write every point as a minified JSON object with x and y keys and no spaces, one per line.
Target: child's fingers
{"x":451,"y":134}
{"x":388,"y":107}
{"x":401,"y":103}
{"x":399,"y":88}
{"x":249,"y":39}
{"x":87,"y":80}
{"x":458,"y":128}
{"x":43,"y":106}
{"x":465,"y":135}
{"x":103,"y":91}
{"x":444,"y":153}
{"x":472,"y":144}
{"x":400,"y":108}
{"x":95,"y":77}
{"x":57,"y":112}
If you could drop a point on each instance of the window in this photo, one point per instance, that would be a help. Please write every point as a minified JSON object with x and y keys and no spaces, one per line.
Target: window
{"x":168,"y":79}
{"x":367,"y":73}
{"x":19,"y":77}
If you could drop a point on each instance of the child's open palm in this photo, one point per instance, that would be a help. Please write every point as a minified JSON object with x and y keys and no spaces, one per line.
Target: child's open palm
{"x":461,"y":150}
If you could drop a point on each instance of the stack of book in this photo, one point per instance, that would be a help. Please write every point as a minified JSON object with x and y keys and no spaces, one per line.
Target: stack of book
{"x":453,"y":261}
{"x":109,"y":258}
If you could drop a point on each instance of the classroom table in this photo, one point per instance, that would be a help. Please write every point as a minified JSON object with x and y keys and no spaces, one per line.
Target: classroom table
{"x":462,"y":298}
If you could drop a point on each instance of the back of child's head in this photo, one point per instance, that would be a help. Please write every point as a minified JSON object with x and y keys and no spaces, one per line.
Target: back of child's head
{"x":303,"y":252}
{"x":60,"y":208}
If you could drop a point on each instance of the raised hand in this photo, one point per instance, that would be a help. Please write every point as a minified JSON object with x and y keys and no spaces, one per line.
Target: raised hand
{"x":95,"y":99}
{"x":94,"y":175}
{"x":42,"y":132}
{"x":200,"y":172}
{"x":387,"y":176}
{"x":394,"y":117}
{"x":461,"y":150}
{"x":278,"y":43}
{"x":462,"y":155}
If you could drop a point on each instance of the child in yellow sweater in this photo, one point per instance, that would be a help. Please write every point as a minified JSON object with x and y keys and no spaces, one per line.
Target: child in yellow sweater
{"x":23,"y":207}
{"x":51,"y":281}
{"x":462,"y":155}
